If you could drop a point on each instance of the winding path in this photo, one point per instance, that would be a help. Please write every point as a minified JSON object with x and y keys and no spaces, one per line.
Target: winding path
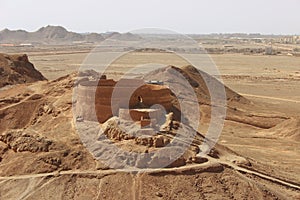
{"x":211,"y":162}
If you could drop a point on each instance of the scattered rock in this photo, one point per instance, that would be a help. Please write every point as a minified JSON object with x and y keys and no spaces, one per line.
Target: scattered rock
{"x":19,"y":142}
{"x":158,"y":194}
{"x":199,"y":160}
{"x":214,"y":153}
{"x":158,"y":141}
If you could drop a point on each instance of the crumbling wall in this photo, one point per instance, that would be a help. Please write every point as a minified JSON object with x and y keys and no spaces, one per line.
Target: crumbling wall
{"x":107,"y":96}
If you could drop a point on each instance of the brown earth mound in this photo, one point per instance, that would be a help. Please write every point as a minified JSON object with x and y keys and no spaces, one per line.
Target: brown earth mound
{"x":288,"y":129}
{"x":197,"y":79}
{"x":40,"y":107}
{"x":37,"y":135}
{"x":30,"y":143}
{"x":16,"y":69}
{"x":239,"y":108}
{"x":35,"y":110}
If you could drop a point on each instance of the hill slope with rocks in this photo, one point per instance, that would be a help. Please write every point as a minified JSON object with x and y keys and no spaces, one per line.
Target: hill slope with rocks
{"x":42,"y":156}
{"x":239,"y":109}
{"x":16,"y":69}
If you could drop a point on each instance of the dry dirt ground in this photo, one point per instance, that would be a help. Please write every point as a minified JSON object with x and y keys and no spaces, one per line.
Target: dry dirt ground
{"x":271,"y":83}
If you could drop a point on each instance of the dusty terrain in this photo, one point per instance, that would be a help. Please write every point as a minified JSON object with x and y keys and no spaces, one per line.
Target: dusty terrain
{"x":258,"y":153}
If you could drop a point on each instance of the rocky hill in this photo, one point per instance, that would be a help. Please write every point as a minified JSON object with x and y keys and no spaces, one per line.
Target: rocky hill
{"x":42,"y":155}
{"x":123,"y":37}
{"x":16,"y":69}
{"x":238,"y":107}
{"x":58,"y":35}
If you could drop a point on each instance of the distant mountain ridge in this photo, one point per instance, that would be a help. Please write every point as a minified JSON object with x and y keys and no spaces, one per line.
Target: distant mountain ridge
{"x":58,"y":35}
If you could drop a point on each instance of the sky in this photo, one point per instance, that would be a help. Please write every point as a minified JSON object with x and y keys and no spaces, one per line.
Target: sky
{"x":182,"y":16}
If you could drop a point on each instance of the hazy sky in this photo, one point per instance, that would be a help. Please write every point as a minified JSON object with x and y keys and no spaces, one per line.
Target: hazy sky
{"x":188,"y":16}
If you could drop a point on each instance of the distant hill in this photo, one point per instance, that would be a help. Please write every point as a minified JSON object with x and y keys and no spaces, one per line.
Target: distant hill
{"x":123,"y":37}
{"x":58,"y":35}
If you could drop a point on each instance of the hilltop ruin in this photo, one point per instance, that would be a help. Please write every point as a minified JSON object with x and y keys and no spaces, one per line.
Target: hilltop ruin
{"x":130,"y":99}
